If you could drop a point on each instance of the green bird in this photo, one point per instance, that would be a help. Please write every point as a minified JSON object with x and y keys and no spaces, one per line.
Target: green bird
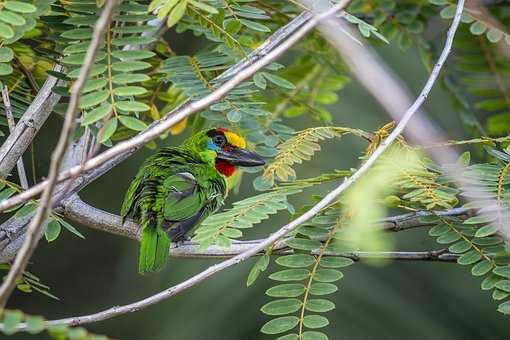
{"x":178,"y":187}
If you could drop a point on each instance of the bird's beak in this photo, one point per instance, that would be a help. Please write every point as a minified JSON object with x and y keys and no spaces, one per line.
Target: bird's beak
{"x":241,"y":157}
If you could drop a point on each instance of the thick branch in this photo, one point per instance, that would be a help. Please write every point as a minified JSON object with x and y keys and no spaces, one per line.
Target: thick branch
{"x":22,"y":174}
{"x":36,"y":225}
{"x":29,"y":124}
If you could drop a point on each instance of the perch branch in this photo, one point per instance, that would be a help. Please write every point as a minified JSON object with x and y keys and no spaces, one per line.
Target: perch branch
{"x":184,"y":111}
{"x":79,"y":211}
{"x":36,"y":225}
{"x":22,"y":174}
{"x":282,"y":232}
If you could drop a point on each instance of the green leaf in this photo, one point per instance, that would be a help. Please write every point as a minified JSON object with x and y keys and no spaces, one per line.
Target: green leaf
{"x":290,"y":275}
{"x":133,"y":54}
{"x":98,"y":113}
{"x":288,"y":337}
{"x":502,"y":271}
{"x":108,"y":130}
{"x":6,"y":54}
{"x":438,"y":230}
{"x":70,"y":228}
{"x":11,"y":320}
{"x":318,"y":288}
{"x":279,"y":81}
{"x":460,"y":247}
{"x":132,"y":123}
{"x":52,"y":230}
{"x":281,"y":307}
{"x":503,"y":285}
{"x":260,"y":81}
{"x":232,"y":233}
{"x":254,"y":25}
{"x":26,"y":210}
{"x":313,"y":335}
{"x":479,"y":219}
{"x":130,"y":66}
{"x":177,"y":13}
{"x":481,"y":268}
{"x":203,"y":6}
{"x":327,"y":275}
{"x":129,"y":90}
{"x":20,"y":7}
{"x":35,"y":324}
{"x":486,"y":230}
{"x":5,"y":69}
{"x":93,"y":99}
{"x":335,"y":262}
{"x":6,"y":31}
{"x":504,"y":307}
{"x":296,"y":261}
{"x":319,"y":305}
{"x":470,"y":257}
{"x":129,"y":78}
{"x":286,"y":290}
{"x":12,"y":18}
{"x":448,"y":237}
{"x":280,"y":325}
{"x":303,"y":244}
{"x":489,"y":282}
{"x":499,"y":294}
{"x":315,"y":321}
{"x":132,"y":106}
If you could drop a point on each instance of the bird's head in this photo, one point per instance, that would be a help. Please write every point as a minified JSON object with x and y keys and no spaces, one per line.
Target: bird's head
{"x":227,"y":150}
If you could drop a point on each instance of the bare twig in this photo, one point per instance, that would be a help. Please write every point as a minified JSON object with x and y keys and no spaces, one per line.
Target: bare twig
{"x":36,"y":225}
{"x":282,"y":232}
{"x":29,"y":124}
{"x":22,"y":174}
{"x":432,"y":255}
{"x":184,"y":111}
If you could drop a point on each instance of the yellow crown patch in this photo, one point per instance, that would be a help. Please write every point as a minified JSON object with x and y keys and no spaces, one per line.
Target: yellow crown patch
{"x":235,"y":139}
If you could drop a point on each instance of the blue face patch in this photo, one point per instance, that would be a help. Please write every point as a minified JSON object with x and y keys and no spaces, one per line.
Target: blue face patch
{"x":212,"y":146}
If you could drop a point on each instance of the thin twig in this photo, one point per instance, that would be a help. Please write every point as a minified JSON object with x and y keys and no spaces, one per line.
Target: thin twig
{"x":28,"y":74}
{"x":22,"y":174}
{"x":282,"y":232}
{"x":432,"y":255}
{"x":36,"y":225}
{"x":29,"y":124}
{"x":184,"y":111}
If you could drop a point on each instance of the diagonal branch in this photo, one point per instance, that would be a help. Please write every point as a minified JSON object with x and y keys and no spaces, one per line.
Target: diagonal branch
{"x":37,"y":223}
{"x":22,"y":174}
{"x":29,"y":124}
{"x":282,"y":232}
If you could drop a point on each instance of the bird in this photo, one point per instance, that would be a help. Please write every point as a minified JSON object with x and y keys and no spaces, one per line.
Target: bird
{"x":178,"y":187}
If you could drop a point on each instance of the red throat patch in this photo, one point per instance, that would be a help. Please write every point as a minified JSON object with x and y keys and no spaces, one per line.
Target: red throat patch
{"x":225,"y":168}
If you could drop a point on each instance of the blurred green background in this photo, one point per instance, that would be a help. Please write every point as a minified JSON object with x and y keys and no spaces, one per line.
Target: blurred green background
{"x":421,"y":300}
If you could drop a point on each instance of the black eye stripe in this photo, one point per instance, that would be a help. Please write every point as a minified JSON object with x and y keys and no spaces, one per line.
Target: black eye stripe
{"x":219,"y":140}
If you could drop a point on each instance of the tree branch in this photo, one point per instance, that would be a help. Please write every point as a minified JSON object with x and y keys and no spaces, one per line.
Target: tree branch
{"x":253,"y":250}
{"x":22,"y":174}
{"x":36,"y":225}
{"x":29,"y":124}
{"x":79,"y":211}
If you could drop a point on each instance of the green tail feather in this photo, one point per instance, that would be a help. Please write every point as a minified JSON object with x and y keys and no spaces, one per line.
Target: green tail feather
{"x":154,"y":249}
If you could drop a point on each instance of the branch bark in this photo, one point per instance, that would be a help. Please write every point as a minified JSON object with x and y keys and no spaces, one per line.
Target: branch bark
{"x":36,"y":225}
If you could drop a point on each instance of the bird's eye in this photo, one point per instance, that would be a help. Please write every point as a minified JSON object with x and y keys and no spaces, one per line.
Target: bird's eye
{"x":220,"y":140}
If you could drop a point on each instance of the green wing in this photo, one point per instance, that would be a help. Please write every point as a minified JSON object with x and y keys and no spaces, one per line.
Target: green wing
{"x":187,"y":202}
